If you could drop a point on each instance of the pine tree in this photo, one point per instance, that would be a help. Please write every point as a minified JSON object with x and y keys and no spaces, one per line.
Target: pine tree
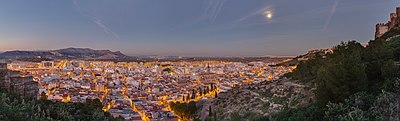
{"x":43,"y":96}
{"x":342,"y":74}
{"x":215,"y":116}
{"x":193,"y":94}
{"x":201,"y":92}
{"x":209,"y":111}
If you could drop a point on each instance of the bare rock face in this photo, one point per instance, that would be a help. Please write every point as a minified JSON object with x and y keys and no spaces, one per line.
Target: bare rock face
{"x":260,"y":99}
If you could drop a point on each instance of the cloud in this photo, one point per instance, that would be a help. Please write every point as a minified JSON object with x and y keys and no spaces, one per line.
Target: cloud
{"x":331,"y":13}
{"x":213,"y":8}
{"x":106,"y":29}
{"x":261,"y":11}
{"x":99,"y":23}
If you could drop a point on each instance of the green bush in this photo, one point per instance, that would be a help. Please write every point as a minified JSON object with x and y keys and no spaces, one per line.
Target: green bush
{"x":15,"y":108}
{"x":309,"y":113}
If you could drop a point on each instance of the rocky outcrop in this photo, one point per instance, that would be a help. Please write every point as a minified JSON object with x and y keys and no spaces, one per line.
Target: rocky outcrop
{"x":260,"y":100}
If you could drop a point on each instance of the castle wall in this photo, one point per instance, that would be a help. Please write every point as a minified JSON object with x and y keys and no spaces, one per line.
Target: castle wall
{"x":398,"y":16}
{"x":3,"y":65}
{"x":24,"y":86}
{"x":13,"y":82}
{"x":398,"y":11}
{"x":393,"y":20}
{"x":31,"y":89}
{"x":381,"y":29}
{"x":3,"y":74}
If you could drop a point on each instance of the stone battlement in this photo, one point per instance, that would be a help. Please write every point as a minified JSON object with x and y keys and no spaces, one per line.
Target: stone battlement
{"x":381,"y":24}
{"x":393,"y":15}
{"x":394,"y":22}
{"x":398,"y":10}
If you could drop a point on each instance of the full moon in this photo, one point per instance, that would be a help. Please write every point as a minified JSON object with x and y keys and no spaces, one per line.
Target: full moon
{"x":268,"y":14}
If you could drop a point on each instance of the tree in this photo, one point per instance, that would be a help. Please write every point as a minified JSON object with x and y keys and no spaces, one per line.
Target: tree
{"x":307,"y":70}
{"x":94,"y":103}
{"x":215,"y":116}
{"x":322,"y":95}
{"x":389,"y":70}
{"x":394,"y":45}
{"x":188,"y":97}
{"x":192,"y":108}
{"x":97,"y":103}
{"x":310,"y":113}
{"x":342,"y":75}
{"x":193,"y":94}
{"x":43,"y":96}
{"x":13,"y":107}
{"x":376,"y":58}
{"x":235,"y":116}
{"x":209,"y":111}
{"x":201,"y":92}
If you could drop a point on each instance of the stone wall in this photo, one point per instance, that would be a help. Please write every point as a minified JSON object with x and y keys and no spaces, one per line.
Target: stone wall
{"x":13,"y":82}
{"x":394,"y":22}
{"x":381,"y":29}
{"x":3,"y":65}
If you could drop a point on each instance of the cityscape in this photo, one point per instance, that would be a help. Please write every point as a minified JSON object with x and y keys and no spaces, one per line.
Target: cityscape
{"x":206,"y":60}
{"x":140,"y":91}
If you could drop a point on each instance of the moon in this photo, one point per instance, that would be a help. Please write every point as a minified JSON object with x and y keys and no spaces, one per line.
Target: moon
{"x":268,"y":14}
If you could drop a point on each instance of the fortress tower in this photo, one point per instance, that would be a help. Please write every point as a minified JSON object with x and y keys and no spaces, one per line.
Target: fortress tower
{"x":398,"y":16}
{"x":394,"y":22}
{"x":381,"y":29}
{"x":398,"y":11}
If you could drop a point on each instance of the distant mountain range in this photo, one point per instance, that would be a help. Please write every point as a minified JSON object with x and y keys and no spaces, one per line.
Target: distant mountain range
{"x":91,"y":54}
{"x":67,"y":53}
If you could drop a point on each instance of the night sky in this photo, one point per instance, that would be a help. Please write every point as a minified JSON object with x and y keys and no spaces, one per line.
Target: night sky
{"x":190,"y":27}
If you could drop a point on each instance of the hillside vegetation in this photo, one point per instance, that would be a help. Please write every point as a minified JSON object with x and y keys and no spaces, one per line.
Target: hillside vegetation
{"x":352,"y":83}
{"x":255,"y":101}
{"x":16,"y":108}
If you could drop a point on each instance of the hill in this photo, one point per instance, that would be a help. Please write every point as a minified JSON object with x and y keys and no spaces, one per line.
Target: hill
{"x":312,"y":54}
{"x":353,"y":82}
{"x":350,"y":82}
{"x":256,"y":101}
{"x":68,"y":53}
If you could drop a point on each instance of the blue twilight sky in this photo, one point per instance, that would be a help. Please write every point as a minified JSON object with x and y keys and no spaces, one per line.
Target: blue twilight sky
{"x":189,"y":27}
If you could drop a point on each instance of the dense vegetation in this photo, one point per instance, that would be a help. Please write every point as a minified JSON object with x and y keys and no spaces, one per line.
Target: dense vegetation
{"x":184,"y":110}
{"x":352,"y":83}
{"x":16,"y":108}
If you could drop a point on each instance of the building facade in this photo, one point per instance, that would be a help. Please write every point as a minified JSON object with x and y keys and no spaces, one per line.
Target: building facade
{"x":47,"y":64}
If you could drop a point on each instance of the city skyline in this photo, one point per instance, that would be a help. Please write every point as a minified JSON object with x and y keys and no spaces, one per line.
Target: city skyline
{"x":189,"y":28}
